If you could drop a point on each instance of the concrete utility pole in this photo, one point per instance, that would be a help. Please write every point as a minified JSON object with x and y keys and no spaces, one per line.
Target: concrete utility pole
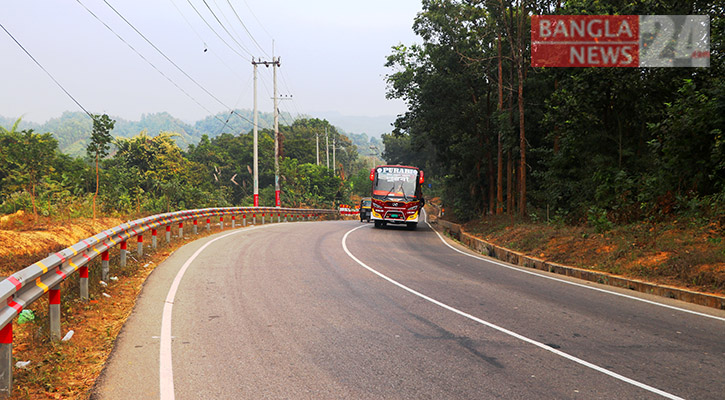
{"x":275,"y":64}
{"x":333,"y":156}
{"x":256,"y":122}
{"x":327,"y":147}
{"x":277,"y":203}
{"x":317,"y":143}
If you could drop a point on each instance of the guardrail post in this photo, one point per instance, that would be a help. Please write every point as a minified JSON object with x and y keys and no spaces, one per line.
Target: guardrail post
{"x":195,"y":230}
{"x":279,"y":218}
{"x":54,"y":312}
{"x":122,"y":256}
{"x":285,"y":217}
{"x":221,"y":222}
{"x":139,"y":247}
{"x":244,"y":220}
{"x":208,"y":224}
{"x":262,"y":218}
{"x":153,"y":238}
{"x":181,"y":230}
{"x":104,"y":265}
{"x":6,"y":359}
{"x":234,"y":221}
{"x":168,"y":233}
{"x":83,"y":280}
{"x":254,"y":219}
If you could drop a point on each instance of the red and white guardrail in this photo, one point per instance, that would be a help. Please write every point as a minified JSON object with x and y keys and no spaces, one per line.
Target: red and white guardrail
{"x":346,"y":209}
{"x":24,"y":287}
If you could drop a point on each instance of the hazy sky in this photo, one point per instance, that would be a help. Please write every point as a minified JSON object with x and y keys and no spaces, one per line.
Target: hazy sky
{"x":332,"y":55}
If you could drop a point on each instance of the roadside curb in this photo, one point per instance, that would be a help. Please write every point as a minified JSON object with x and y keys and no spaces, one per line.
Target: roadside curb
{"x":520,"y":259}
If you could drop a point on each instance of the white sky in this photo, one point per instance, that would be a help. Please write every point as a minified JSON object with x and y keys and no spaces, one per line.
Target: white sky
{"x":332,"y":54}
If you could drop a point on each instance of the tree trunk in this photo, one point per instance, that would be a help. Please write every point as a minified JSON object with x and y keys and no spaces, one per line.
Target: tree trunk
{"x":509,"y":184}
{"x":499,"y":159}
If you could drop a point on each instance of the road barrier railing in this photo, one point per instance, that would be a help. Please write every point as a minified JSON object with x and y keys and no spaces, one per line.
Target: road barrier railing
{"x":24,"y":287}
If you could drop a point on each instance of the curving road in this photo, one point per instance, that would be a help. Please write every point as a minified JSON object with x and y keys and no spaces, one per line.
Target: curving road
{"x":330,"y":310}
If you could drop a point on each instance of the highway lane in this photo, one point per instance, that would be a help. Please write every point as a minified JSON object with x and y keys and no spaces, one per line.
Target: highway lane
{"x":285,"y":312}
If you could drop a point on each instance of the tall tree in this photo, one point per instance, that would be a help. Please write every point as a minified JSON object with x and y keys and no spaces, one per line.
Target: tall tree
{"x":100,"y":144}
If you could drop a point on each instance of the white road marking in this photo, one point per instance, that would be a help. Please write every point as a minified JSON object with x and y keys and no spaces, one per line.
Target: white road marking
{"x":504,"y":330}
{"x":166,"y":373}
{"x":570,"y":282}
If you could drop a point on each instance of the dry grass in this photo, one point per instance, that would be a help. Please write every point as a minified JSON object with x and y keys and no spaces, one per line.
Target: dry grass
{"x":675,"y":253}
{"x":63,"y":370}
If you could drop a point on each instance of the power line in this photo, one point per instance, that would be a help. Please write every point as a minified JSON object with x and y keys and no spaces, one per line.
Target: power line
{"x":215,"y":32}
{"x":165,"y":56}
{"x":245,"y":28}
{"x":46,"y":71}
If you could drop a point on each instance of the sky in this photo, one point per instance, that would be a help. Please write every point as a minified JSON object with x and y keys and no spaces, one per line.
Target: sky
{"x":332,"y":55}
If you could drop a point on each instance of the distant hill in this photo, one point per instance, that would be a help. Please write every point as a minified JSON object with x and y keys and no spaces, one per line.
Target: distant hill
{"x":72,"y":130}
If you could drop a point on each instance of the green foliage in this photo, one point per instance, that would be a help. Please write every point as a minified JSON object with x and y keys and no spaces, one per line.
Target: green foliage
{"x":604,"y":145}
{"x":100,"y":137}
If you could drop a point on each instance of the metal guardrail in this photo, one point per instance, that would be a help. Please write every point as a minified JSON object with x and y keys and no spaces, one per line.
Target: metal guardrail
{"x":29,"y":284}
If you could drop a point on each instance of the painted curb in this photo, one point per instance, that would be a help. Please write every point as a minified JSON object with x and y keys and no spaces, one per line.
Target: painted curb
{"x":520,"y":259}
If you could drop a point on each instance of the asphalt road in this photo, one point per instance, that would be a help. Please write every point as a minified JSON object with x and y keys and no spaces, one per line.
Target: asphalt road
{"x":314,"y":310}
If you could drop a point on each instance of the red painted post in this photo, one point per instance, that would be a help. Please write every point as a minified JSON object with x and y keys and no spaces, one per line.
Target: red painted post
{"x":221,"y":222}
{"x":104,"y":265}
{"x":181,"y":230}
{"x":208,"y":224}
{"x":54,"y":312}
{"x":254,"y":219}
{"x":83,"y":273}
{"x":168,"y":233}
{"x":6,"y":359}
{"x":122,"y":256}
{"x":234,"y":221}
{"x":195,"y":222}
{"x":153,"y":238}
{"x":139,"y":248}
{"x":244,"y":219}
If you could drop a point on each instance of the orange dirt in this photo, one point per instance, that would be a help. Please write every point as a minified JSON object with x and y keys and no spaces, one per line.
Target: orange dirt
{"x":675,"y":253}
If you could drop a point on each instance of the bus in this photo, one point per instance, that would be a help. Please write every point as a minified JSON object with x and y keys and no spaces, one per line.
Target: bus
{"x":396,"y":195}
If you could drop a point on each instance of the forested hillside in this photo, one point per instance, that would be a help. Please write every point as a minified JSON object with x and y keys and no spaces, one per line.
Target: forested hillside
{"x":72,"y":129}
{"x":142,"y":172}
{"x":598,"y":145}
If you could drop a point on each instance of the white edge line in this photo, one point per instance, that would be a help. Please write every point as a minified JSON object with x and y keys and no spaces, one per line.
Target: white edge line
{"x":166,"y":373}
{"x":492,"y":261}
{"x":506,"y":331}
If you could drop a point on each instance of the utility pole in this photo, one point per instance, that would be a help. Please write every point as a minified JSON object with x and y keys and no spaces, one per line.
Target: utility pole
{"x":317,"y":143}
{"x":333,"y":156}
{"x":277,"y":203}
{"x":256,"y":157}
{"x":275,"y":64}
{"x":327,"y":147}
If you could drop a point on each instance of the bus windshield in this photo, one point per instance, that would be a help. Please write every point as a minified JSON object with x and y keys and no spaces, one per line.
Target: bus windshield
{"x":395,"y":182}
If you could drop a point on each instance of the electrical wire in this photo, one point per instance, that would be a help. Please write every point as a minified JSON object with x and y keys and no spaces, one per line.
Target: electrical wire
{"x":165,"y":56}
{"x":225,"y":29}
{"x":245,"y":28}
{"x":202,"y":40}
{"x":216,"y":33}
{"x":144,"y":58}
{"x":48,"y":73}
{"x":258,"y":21}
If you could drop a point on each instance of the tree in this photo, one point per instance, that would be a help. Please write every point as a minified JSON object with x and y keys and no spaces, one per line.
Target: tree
{"x":32,"y":155}
{"x":99,"y":146}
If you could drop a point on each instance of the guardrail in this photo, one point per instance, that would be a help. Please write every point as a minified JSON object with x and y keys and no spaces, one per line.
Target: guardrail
{"x":29,"y":284}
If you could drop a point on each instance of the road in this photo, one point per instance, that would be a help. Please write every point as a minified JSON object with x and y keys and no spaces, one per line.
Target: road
{"x":322,"y":310}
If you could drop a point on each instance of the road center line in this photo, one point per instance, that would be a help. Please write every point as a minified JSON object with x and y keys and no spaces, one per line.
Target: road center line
{"x":504,"y":330}
{"x":489,"y":260}
{"x":166,"y":373}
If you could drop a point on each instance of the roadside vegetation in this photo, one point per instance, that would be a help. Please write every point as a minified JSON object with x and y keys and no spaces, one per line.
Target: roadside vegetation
{"x":627,"y":163}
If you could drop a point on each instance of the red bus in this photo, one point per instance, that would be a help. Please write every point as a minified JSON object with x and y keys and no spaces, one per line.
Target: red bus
{"x":396,"y":194}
